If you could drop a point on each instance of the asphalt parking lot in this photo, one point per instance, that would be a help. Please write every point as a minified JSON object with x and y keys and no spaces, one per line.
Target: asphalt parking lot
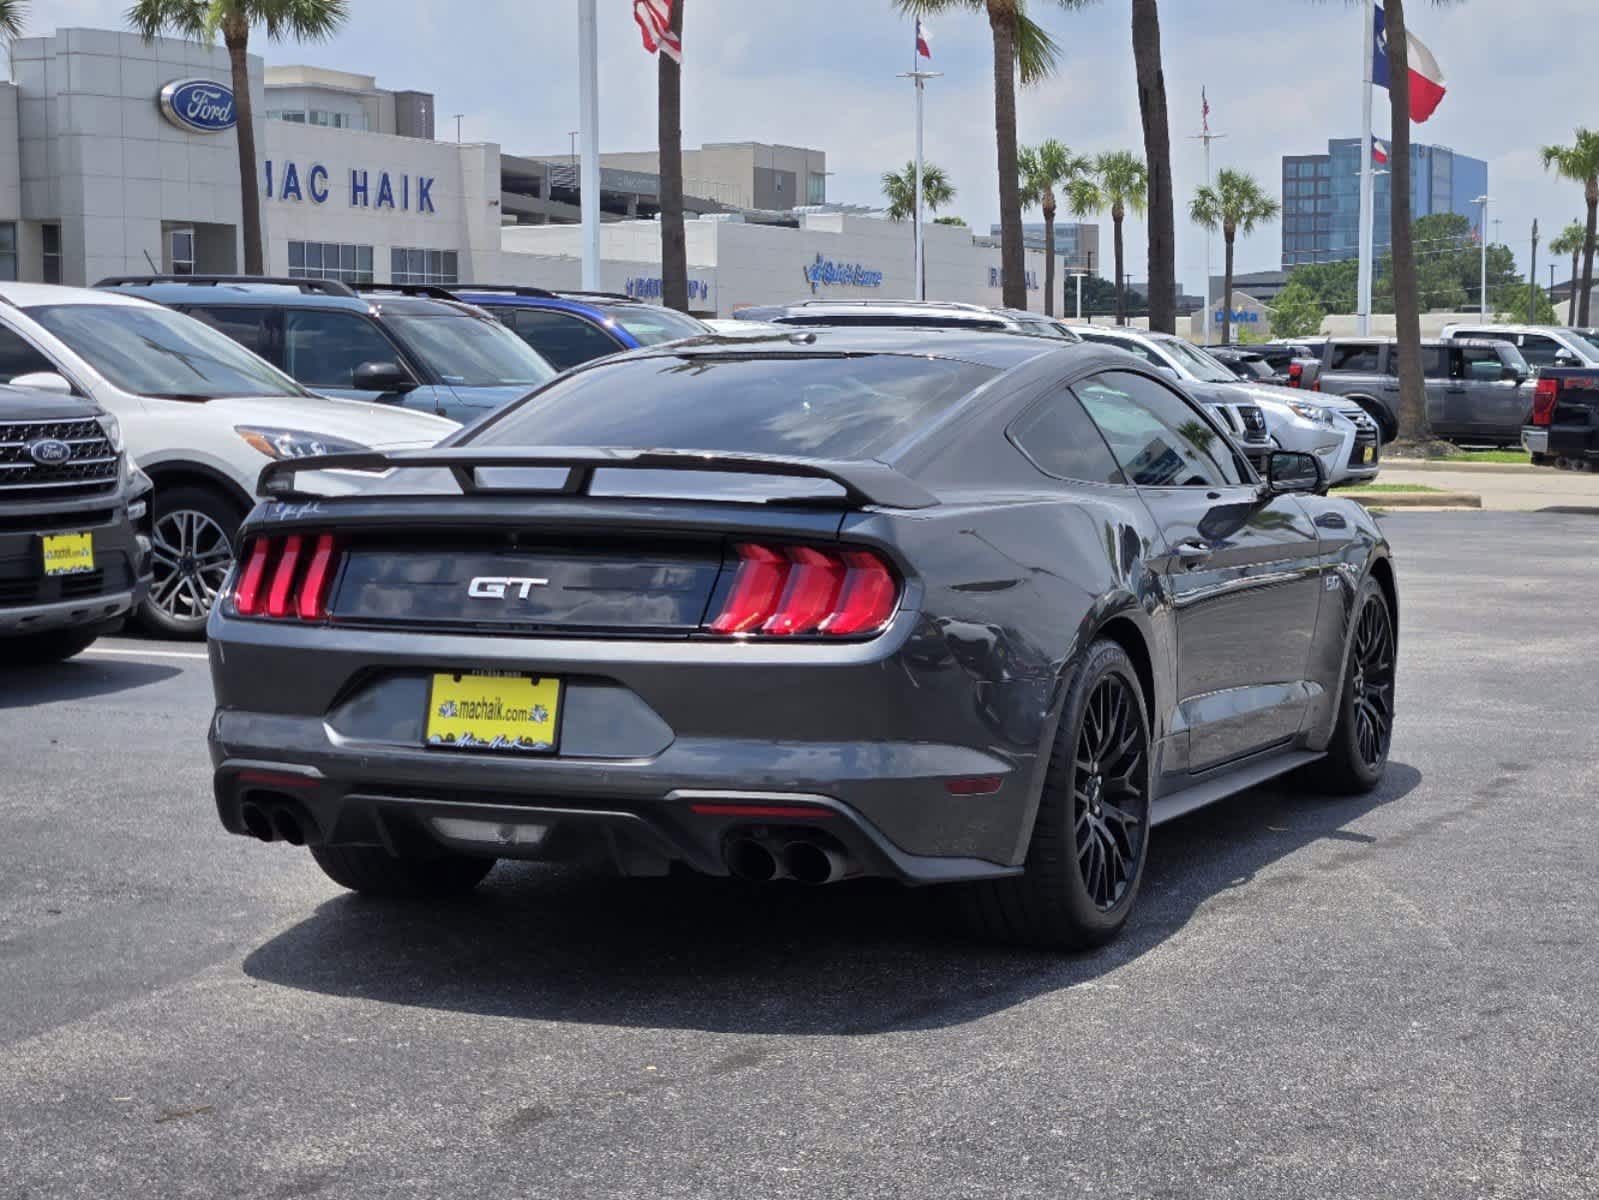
{"x":1390,"y":996}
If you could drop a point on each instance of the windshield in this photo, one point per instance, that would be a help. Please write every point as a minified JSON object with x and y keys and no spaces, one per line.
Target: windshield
{"x":651,"y":325}
{"x":811,"y":405}
{"x":468,"y":351}
{"x":1587,"y":342}
{"x":152,"y":351}
{"x":1044,"y":329}
{"x":1196,"y":362}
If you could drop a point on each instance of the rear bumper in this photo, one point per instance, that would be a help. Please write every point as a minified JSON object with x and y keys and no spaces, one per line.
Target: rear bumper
{"x":1535,"y":439}
{"x":852,"y":729}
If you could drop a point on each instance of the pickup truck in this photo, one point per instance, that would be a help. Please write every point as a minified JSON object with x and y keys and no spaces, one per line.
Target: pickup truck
{"x":1565,"y":418}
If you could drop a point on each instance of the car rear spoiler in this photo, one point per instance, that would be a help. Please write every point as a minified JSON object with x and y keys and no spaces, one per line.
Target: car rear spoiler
{"x":864,"y":482}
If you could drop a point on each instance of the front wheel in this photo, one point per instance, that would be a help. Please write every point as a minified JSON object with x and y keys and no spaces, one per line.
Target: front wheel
{"x":1091,"y":836}
{"x":1358,"y":752}
{"x":191,"y":551}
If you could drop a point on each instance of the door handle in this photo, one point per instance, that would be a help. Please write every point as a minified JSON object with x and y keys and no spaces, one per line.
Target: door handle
{"x":1192,"y":552}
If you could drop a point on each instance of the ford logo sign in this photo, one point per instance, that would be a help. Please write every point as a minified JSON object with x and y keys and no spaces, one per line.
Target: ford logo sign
{"x":198,"y":105}
{"x":47,"y":452}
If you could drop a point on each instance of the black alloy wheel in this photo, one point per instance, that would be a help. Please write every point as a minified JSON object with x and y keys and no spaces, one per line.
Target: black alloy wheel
{"x":1109,"y":797}
{"x":1372,"y":688}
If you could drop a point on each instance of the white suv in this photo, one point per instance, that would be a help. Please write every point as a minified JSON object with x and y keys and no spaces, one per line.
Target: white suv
{"x":199,"y":413}
{"x":1335,"y":430}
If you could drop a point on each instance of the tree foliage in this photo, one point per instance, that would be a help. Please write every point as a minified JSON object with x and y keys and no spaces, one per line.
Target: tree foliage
{"x":1297,"y":311}
{"x":899,"y":189}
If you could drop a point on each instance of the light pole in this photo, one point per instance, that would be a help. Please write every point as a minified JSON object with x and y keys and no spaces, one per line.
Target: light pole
{"x":1482,"y":298}
{"x":1079,"y":277}
{"x":458,"y":117}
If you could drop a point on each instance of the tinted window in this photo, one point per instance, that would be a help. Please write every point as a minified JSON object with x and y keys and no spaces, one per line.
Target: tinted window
{"x":323,"y":347}
{"x":1158,"y":437}
{"x":1468,"y":359}
{"x":561,"y":338}
{"x":1354,"y":356}
{"x":811,"y":406}
{"x":1434,"y":361}
{"x":1060,"y":439}
{"x":1538,"y":350}
{"x":651,"y":325}
{"x":19,"y":358}
{"x":469,"y":351}
{"x":250,"y":327}
{"x":152,"y":351}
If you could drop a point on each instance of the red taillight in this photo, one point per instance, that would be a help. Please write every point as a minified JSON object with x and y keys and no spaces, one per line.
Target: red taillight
{"x":1544,"y":395}
{"x":247,"y":594}
{"x":1296,"y":374}
{"x":757,"y":587}
{"x":801,"y":590}
{"x":287,"y":577}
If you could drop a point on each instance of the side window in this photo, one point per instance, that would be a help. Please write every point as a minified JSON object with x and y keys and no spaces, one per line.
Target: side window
{"x":1358,"y":357}
{"x":1060,"y":440}
{"x":1538,"y":350}
{"x":1434,"y":361}
{"x":250,"y":327}
{"x":323,"y":347}
{"x":1477,"y":362}
{"x":1159,"y":439}
{"x":562,"y":338}
{"x":17,"y":357}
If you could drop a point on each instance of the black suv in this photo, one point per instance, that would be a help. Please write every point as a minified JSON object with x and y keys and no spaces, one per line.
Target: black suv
{"x":74,"y":527}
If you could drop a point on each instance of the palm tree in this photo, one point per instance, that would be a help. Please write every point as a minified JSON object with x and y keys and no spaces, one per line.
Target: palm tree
{"x":11,"y":13}
{"x":669,"y":122}
{"x":1579,"y":162}
{"x":1045,"y":167}
{"x":302,"y":20}
{"x":1157,"y":153}
{"x":1020,"y":47}
{"x":1119,"y":182}
{"x":1570,"y":241}
{"x":899,"y":189}
{"x":1235,"y":204}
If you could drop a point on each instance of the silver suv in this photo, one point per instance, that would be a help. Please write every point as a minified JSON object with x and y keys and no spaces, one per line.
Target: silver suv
{"x":921,"y":314}
{"x":1477,"y":388}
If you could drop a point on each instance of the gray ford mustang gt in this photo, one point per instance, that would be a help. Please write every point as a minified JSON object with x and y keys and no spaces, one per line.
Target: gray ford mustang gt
{"x":936,"y":606}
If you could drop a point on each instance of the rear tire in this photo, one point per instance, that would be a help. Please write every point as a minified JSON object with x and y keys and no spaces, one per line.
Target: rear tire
{"x":1358,"y":752}
{"x":194,"y":529}
{"x":41,"y":649}
{"x":373,"y":871}
{"x":1091,"y":836}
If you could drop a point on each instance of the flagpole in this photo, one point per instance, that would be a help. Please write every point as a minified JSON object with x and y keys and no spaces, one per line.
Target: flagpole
{"x":919,"y":286}
{"x":1206,"y":136}
{"x":588,"y":90}
{"x":1368,"y":179}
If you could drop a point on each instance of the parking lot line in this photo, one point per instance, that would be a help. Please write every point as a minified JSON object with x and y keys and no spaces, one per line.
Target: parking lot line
{"x":143,"y":653}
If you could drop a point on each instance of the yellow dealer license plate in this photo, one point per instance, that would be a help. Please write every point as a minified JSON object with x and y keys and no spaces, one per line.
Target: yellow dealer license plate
{"x":68,"y":553}
{"x":489,"y":711}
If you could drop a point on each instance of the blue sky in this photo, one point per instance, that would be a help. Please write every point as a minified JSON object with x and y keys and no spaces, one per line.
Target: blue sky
{"x":1282,"y":75}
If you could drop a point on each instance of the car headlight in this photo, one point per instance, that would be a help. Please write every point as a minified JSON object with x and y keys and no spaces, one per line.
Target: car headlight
{"x":1311,"y":412}
{"x":113,"y":431}
{"x":294,"y":443}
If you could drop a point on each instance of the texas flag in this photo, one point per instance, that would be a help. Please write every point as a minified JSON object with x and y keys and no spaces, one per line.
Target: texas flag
{"x":1379,"y":152}
{"x":1427,"y":84}
{"x":924,"y":41}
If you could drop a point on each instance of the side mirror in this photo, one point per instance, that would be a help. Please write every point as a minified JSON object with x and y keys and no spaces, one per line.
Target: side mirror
{"x":1290,"y":471}
{"x":1513,"y":374}
{"x":44,"y":381}
{"x":382,"y":377}
{"x":1565,"y":358}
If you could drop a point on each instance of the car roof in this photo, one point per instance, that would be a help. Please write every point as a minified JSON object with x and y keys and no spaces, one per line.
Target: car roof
{"x":29,"y":295}
{"x":989,"y":348}
{"x":235,"y":294}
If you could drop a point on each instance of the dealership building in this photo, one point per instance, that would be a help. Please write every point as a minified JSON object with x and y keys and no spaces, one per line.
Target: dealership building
{"x":118,"y":156}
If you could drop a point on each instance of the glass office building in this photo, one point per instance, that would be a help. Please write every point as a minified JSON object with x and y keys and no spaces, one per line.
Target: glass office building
{"x":1321,"y":197}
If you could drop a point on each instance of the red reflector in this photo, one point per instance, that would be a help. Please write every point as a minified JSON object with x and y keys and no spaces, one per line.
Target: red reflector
{"x":313,"y":602}
{"x":247,"y":593}
{"x":1544,"y":394}
{"x":277,"y":604}
{"x":272,"y":779}
{"x":866,"y":600}
{"x":814,"y":580}
{"x":757,"y":585}
{"x":977,"y":785}
{"x":758,"y":810}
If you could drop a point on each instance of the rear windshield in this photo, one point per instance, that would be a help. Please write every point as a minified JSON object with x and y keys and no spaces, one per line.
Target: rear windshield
{"x":810,"y":406}
{"x":651,"y":325}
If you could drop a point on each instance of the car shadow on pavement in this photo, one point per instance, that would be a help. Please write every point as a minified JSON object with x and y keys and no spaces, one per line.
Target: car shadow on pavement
{"x":695,"y":953}
{"x":77,"y":679}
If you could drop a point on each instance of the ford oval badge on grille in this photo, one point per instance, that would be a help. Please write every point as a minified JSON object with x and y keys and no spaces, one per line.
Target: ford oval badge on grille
{"x":49,"y":452}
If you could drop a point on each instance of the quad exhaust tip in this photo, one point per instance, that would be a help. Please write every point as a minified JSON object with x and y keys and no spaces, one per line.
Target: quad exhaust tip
{"x":280,"y":822}
{"x":752,"y":861}
{"x":757,"y":860}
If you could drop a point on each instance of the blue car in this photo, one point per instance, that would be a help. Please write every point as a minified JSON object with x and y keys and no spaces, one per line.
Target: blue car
{"x":416,"y":347}
{"x":568,"y":328}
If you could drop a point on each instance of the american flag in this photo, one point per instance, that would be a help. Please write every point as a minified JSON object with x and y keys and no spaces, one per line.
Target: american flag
{"x":654,"y":19}
{"x":924,"y":40}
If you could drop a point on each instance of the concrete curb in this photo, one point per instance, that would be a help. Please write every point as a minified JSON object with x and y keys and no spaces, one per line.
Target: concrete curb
{"x":1438,"y":500}
{"x":1434,"y":464}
